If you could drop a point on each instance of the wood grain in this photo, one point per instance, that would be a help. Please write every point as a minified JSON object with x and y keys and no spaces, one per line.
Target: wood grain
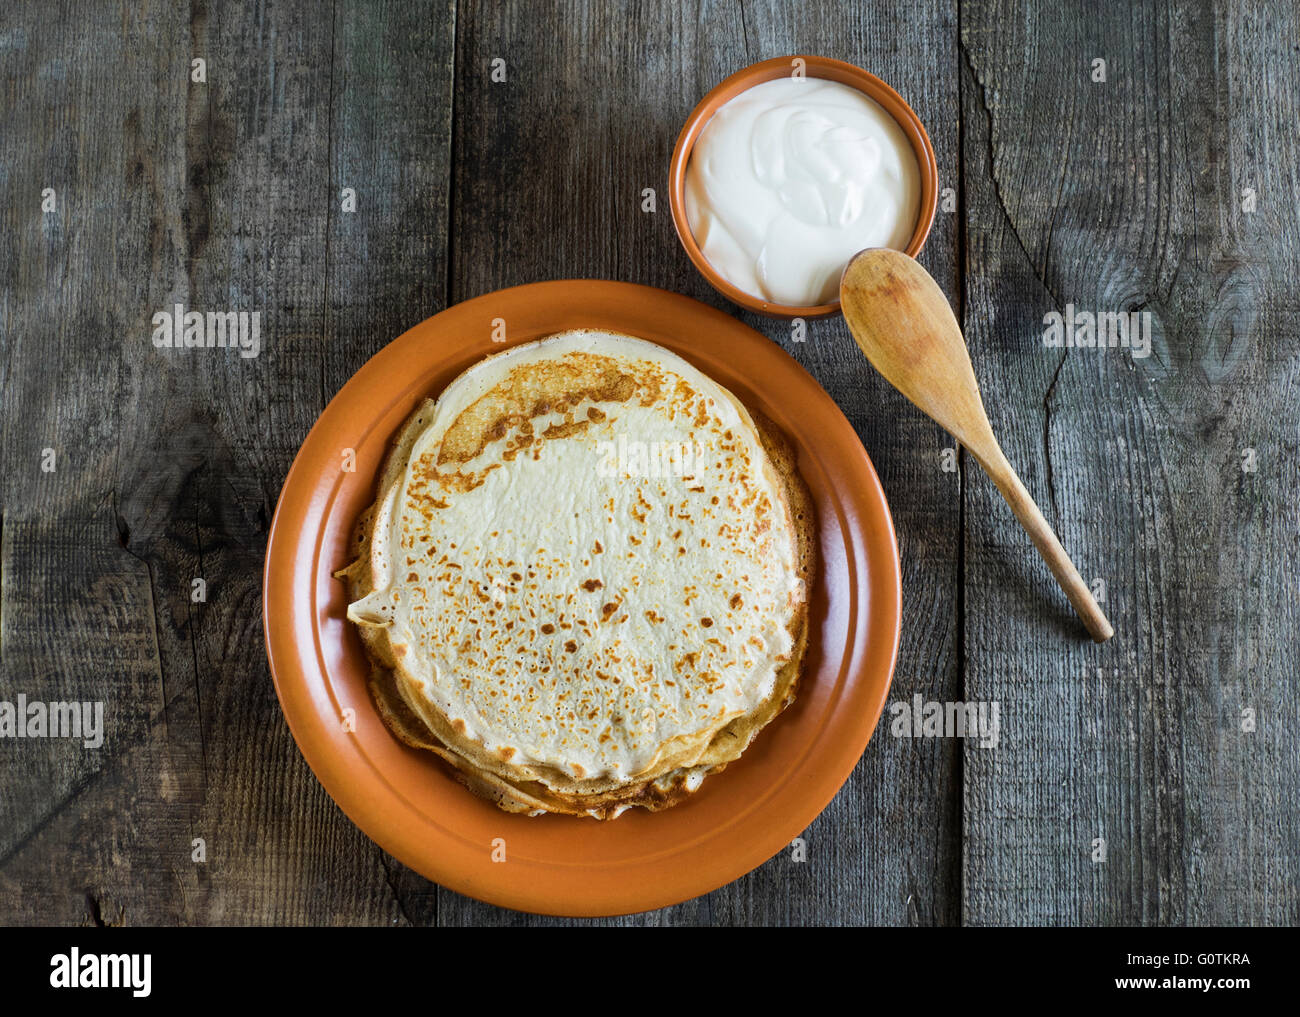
{"x":222,"y":196}
{"x":1118,"y":195}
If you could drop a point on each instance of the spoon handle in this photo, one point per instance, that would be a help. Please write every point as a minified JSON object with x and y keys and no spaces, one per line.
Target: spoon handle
{"x":1001,"y":473}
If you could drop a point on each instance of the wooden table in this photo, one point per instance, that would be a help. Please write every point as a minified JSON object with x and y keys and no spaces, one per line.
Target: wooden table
{"x":1166,"y":182}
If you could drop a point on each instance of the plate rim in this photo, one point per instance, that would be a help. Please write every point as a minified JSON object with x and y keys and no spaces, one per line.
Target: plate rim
{"x":882,"y":598}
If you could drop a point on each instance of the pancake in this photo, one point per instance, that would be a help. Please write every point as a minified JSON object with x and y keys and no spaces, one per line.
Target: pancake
{"x":584,"y":582}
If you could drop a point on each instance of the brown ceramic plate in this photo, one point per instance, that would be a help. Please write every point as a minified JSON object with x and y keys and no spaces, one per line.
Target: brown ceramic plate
{"x":407,"y":800}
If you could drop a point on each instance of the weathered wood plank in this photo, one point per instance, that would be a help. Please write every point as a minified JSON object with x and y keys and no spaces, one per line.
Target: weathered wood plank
{"x":550,"y":165}
{"x":77,"y":612}
{"x":388,"y":260}
{"x":218,"y":195}
{"x":1117,"y":195}
{"x":893,"y":832}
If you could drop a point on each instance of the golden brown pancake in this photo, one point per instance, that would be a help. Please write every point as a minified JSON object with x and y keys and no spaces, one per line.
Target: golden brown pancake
{"x":584,"y":583}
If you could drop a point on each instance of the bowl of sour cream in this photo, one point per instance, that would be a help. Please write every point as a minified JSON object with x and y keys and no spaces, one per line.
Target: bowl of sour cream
{"x":789,"y":168}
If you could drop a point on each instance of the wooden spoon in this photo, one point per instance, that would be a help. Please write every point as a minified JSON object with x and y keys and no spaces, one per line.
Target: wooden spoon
{"x":902,"y":321}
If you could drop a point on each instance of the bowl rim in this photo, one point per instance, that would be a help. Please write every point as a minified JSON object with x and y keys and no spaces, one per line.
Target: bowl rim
{"x":828,"y":69}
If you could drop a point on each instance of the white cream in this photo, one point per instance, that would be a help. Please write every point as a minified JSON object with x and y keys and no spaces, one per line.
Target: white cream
{"x":790,"y":179}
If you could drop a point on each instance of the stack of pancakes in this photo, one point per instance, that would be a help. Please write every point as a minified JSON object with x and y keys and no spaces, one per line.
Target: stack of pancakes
{"x":585,"y":580}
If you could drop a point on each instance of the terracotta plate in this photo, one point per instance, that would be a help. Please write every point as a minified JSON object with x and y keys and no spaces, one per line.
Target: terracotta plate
{"x":407,"y":800}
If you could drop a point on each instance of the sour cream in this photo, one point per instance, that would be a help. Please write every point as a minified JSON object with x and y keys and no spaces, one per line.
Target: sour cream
{"x":790,"y":179}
